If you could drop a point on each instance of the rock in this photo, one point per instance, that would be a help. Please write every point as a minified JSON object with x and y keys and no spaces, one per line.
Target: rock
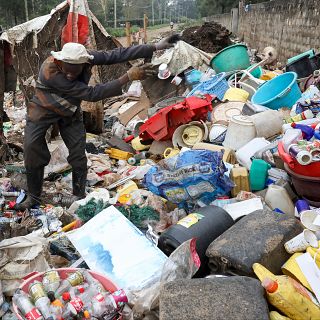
{"x":236,"y":298}
{"x":258,"y":237}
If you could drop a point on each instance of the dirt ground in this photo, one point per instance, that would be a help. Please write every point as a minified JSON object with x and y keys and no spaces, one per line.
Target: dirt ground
{"x":151,"y":34}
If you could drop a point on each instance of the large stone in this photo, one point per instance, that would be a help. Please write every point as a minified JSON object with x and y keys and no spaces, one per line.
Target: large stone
{"x":232,"y":298}
{"x":258,"y":237}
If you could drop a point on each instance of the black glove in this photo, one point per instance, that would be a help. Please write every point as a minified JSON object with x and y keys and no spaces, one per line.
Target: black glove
{"x":167,"y":42}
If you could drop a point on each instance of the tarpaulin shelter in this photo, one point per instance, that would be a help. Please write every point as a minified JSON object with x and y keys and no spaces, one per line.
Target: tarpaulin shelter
{"x":32,"y":42}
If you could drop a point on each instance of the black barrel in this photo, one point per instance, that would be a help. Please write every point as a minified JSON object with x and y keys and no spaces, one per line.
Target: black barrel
{"x":212,"y":222}
{"x":302,"y":67}
{"x":315,"y":62}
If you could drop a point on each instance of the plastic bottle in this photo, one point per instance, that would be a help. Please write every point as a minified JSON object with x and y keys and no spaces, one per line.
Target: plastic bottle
{"x":287,"y":295}
{"x":107,"y":303}
{"x":56,"y":308}
{"x":304,"y":157}
{"x":29,"y":311}
{"x":93,"y":282}
{"x":290,"y":137}
{"x":307,"y":131}
{"x":278,"y":197}
{"x":73,"y":280}
{"x":73,"y":308}
{"x":51,"y":281}
{"x":258,"y":174}
{"x":308,"y":114}
{"x":40,"y":299}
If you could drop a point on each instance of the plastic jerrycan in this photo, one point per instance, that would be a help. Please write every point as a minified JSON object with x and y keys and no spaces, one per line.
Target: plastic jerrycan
{"x":258,"y":174}
{"x":287,"y":295}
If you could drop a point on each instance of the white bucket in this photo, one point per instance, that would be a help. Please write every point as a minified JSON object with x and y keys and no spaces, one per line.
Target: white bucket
{"x":309,"y":219}
{"x":241,"y":130}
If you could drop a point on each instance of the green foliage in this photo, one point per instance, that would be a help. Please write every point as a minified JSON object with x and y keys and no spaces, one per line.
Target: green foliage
{"x":121,"y":32}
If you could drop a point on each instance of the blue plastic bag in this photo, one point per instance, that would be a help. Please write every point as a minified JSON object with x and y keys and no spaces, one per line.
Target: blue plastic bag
{"x":190,"y":176}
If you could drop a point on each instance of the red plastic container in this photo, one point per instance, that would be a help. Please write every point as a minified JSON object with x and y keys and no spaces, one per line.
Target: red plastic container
{"x":64,"y":272}
{"x":310,"y":170}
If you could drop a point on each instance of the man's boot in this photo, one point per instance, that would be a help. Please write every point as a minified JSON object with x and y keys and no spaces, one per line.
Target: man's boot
{"x":79,"y":179}
{"x":34,"y":183}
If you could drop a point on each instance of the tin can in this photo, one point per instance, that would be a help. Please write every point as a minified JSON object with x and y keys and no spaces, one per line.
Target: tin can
{"x":36,"y":291}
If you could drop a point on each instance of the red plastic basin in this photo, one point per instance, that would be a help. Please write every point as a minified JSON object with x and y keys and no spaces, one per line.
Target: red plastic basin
{"x":64,"y":272}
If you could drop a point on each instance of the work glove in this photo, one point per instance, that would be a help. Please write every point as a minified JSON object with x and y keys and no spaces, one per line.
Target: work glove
{"x":167,"y":42}
{"x":140,"y":73}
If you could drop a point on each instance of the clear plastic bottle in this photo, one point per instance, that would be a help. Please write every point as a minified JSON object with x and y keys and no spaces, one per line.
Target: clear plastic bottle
{"x":107,"y":304}
{"x":56,"y":308}
{"x":25,"y":306}
{"x":93,"y":282}
{"x":51,"y":281}
{"x":40,"y":299}
{"x":73,"y":280}
{"x":73,"y":308}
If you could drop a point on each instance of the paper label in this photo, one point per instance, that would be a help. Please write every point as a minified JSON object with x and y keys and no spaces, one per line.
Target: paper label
{"x":77,"y":304}
{"x":36,"y":291}
{"x":120,"y":298}
{"x":76,"y":278}
{"x":34,"y":314}
{"x":99,"y":297}
{"x":190,"y":220}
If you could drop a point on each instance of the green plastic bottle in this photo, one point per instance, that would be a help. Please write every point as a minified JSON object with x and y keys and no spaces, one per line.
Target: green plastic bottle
{"x":258,"y":174}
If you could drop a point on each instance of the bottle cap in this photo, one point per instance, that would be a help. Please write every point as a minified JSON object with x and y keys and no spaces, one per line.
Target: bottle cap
{"x":270,"y":285}
{"x":66,"y":296}
{"x":80,"y":289}
{"x":86,"y":314}
{"x":51,"y":296}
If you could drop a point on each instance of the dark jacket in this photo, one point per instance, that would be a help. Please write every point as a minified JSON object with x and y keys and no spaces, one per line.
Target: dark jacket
{"x":55,"y":93}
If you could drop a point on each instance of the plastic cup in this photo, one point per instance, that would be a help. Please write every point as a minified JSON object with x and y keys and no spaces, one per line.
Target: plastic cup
{"x":301,"y":242}
{"x":307,"y":218}
{"x":176,"y":80}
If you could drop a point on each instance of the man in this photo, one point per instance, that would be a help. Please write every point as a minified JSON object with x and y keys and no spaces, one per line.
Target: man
{"x":61,"y":86}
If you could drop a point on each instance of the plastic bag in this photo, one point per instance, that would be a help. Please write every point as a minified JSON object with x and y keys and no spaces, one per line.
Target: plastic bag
{"x":183,"y":263}
{"x":190,"y":176}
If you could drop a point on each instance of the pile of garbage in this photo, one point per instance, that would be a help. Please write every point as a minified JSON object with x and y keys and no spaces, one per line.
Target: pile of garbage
{"x":211,"y":193}
{"x":210,"y":37}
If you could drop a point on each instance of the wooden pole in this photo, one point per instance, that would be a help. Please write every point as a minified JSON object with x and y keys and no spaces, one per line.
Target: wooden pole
{"x":128,"y":33}
{"x":145,"y":24}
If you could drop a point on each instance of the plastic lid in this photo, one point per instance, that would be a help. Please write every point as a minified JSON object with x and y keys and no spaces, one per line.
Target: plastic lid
{"x":192,"y":135}
{"x":270,"y":285}
{"x":51,"y":296}
{"x":242,"y":120}
{"x":66,"y":296}
{"x":81,"y":289}
{"x":86,"y":314}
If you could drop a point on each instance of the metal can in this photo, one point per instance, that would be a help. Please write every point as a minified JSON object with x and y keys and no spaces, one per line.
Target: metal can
{"x":36,"y":291}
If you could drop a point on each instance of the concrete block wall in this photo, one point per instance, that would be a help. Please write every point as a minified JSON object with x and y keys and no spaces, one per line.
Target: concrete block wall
{"x":223,"y":19}
{"x":291,"y":26}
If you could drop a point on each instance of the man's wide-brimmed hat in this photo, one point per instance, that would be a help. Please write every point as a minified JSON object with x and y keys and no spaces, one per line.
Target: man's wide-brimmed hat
{"x":74,"y":53}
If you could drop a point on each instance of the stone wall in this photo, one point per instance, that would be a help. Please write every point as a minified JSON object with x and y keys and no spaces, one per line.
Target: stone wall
{"x":291,"y":26}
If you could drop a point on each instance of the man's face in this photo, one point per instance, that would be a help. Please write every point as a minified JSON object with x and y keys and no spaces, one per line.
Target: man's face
{"x":71,"y":71}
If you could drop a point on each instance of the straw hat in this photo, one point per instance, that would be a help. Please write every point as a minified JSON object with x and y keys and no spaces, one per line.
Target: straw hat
{"x":74,"y":53}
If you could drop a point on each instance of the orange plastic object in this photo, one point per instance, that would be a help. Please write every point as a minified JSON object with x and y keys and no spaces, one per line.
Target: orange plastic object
{"x":162,"y":125}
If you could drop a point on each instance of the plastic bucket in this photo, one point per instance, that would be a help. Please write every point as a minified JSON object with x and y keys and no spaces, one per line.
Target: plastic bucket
{"x":302,"y":67}
{"x":232,"y":58}
{"x":64,"y":272}
{"x":217,"y":86}
{"x":236,"y":94}
{"x":240,"y":131}
{"x":306,"y":187}
{"x":310,"y":53}
{"x":257,"y":73}
{"x":282,"y":91}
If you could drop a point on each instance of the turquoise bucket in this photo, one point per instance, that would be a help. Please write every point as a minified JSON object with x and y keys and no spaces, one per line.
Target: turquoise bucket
{"x":281,"y":91}
{"x":257,"y":73}
{"x":232,"y":58}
